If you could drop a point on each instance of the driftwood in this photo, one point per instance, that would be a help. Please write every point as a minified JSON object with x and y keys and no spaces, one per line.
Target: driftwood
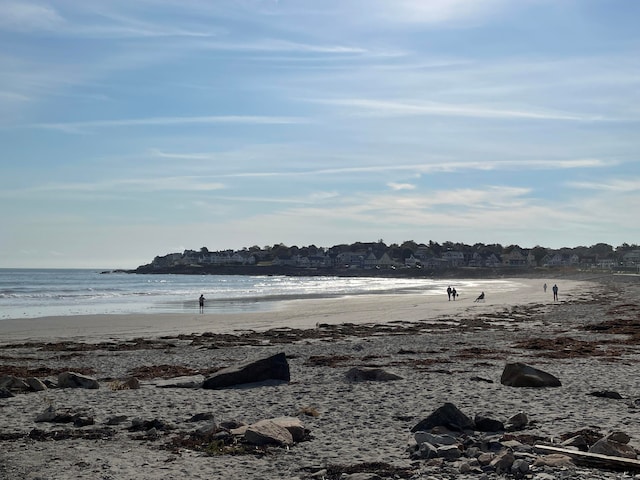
{"x":595,"y":459}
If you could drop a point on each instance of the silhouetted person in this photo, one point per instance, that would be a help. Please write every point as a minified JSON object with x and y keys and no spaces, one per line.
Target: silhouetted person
{"x":454,"y":294}
{"x":544,"y":287}
{"x":201,"y":302}
{"x":480,"y":298}
{"x":449,"y":292}
{"x":555,"y":292}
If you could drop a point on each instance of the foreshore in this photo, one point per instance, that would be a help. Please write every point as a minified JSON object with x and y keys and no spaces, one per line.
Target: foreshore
{"x":439,"y":348}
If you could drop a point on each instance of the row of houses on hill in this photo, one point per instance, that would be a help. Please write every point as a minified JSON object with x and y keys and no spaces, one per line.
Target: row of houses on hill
{"x":421,"y":258}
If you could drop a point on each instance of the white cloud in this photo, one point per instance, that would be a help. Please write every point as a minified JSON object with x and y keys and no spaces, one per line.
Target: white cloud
{"x":401,"y":186}
{"x":613,"y":185}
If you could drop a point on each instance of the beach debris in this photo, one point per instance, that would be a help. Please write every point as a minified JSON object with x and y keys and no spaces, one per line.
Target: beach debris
{"x":357,"y":374}
{"x":274,"y":367}
{"x":76,"y":380}
{"x":522,"y":375}
{"x":448,"y":416}
{"x":609,"y":446}
{"x":140,"y":425}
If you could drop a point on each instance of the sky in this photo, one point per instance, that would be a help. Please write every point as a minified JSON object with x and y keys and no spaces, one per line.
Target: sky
{"x":131,"y":129}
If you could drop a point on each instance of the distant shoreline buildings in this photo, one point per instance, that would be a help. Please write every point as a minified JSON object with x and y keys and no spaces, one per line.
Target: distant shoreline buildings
{"x":373,"y":256}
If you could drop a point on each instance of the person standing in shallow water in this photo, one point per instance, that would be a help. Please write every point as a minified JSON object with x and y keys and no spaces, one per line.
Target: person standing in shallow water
{"x":544,"y":287}
{"x":555,"y":292}
{"x":449,"y":292}
{"x":201,"y":302}
{"x":454,"y":294}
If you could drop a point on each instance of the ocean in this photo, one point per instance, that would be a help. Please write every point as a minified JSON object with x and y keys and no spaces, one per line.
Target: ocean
{"x":30,"y":293}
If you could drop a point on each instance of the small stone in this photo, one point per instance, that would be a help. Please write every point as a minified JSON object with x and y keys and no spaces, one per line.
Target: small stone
{"x":607,"y":394}
{"x":503,"y":461}
{"x":619,"y":437}
{"x":517,"y":422}
{"x":520,"y":466}
{"x":434,"y":439}
{"x":5,"y":393}
{"x":449,"y":452}
{"x":35,"y":384}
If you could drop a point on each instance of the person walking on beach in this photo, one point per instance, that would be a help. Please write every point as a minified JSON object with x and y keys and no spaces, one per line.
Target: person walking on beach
{"x":555,"y":292}
{"x":449,"y":292}
{"x":454,"y":294}
{"x":201,"y":302}
{"x":544,"y":287}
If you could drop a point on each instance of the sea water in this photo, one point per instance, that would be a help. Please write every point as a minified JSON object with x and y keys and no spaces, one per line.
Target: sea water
{"x":29,"y":293}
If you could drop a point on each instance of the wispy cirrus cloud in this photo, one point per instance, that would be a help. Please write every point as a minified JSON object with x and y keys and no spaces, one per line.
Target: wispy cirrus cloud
{"x":80,"y":127}
{"x":612,"y":185}
{"x":382,"y":108}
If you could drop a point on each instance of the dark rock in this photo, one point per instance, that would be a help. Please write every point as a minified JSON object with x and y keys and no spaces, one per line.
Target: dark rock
{"x":522,"y":375}
{"x":448,"y":416}
{"x":487,"y":424}
{"x":81,"y":421}
{"x":116,"y":420}
{"x":607,"y":394}
{"x":5,"y":393}
{"x":13,"y":383}
{"x":275,"y":367}
{"x":517,"y":422}
{"x":200,"y":417}
{"x":370,"y":375}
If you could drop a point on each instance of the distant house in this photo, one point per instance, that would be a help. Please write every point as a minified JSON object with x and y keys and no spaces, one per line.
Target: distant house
{"x":453,"y":258}
{"x":631,"y":259}
{"x":515,"y":258}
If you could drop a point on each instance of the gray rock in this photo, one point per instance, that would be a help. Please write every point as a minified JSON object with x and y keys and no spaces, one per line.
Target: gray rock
{"x":116,"y":420}
{"x":357,"y":374}
{"x":268,"y":432}
{"x":619,"y":437}
{"x":426,"y":451}
{"x":520,"y":466}
{"x":35,"y":384}
{"x":448,"y":416}
{"x":275,"y":367}
{"x":577,"y":441}
{"x":434,"y":439}
{"x":609,"y":447}
{"x":502,"y":462}
{"x":517,"y":422}
{"x":76,"y":380}
{"x":449,"y":452}
{"x":522,"y":375}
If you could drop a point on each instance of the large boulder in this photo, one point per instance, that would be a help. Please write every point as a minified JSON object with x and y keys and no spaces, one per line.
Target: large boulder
{"x":275,"y":367}
{"x":522,"y":375}
{"x":76,"y":380}
{"x":13,"y":383}
{"x":448,"y":416}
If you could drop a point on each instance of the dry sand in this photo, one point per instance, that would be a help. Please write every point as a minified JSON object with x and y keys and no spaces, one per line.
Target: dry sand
{"x":437,"y":347}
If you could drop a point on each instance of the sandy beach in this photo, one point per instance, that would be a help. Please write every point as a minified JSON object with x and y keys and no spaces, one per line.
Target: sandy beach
{"x":443,"y":351}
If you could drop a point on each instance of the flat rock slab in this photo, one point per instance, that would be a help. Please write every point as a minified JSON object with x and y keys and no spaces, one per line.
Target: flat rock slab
{"x":275,"y":367}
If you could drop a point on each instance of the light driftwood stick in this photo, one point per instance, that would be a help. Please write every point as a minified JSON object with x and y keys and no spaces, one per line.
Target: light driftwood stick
{"x":597,"y":459}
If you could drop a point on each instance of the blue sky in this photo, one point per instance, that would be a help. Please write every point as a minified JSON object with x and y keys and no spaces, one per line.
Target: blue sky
{"x":131,"y":129}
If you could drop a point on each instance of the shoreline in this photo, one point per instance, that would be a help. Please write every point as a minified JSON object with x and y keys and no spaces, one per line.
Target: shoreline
{"x":298,"y":313}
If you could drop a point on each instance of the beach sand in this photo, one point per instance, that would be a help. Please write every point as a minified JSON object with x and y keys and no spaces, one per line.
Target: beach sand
{"x":444,"y":351}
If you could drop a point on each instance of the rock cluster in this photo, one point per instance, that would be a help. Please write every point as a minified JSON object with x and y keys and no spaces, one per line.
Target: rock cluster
{"x":450,"y":439}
